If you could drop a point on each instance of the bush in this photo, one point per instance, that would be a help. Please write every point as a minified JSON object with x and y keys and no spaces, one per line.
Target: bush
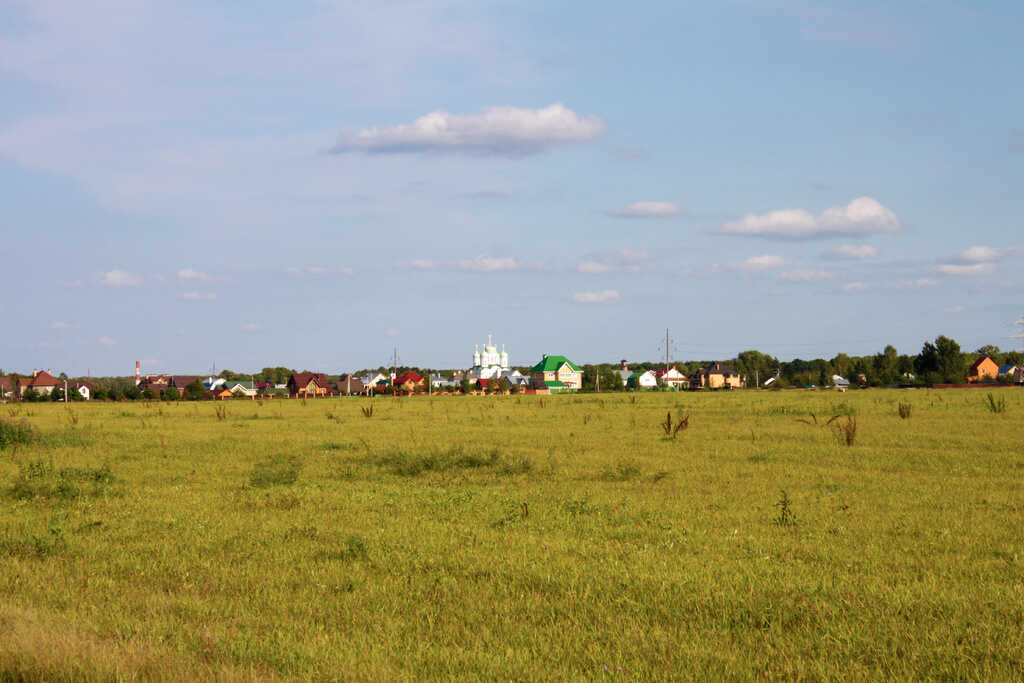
{"x":15,"y":432}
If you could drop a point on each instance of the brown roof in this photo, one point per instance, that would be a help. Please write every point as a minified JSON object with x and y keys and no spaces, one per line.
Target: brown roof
{"x":302,"y":379}
{"x":5,"y":384}
{"x":354,"y":385}
{"x":717,"y":368}
{"x":182,"y":381}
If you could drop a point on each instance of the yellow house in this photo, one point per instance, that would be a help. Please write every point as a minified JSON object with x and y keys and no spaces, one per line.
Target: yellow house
{"x":983,"y":369}
{"x":718,"y":376}
{"x":556,"y":373}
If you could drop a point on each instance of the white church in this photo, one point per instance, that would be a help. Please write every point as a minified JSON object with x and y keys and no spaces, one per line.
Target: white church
{"x":492,"y":364}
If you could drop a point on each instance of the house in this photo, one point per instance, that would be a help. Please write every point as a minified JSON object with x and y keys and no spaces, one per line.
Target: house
{"x":624,"y":372}
{"x":840,"y":382}
{"x":1008,"y":370}
{"x":42,"y":382}
{"x":718,"y":376}
{"x":672,"y":378}
{"x":6,"y":389}
{"x":221,"y":394}
{"x":307,"y":384}
{"x":245,"y":387}
{"x":372,"y":379}
{"x":983,"y":369}
{"x":643,"y":379}
{"x":410,"y":381}
{"x":84,"y":390}
{"x":214,"y":383}
{"x":556,"y":373}
{"x":439,"y":381}
{"x":349,"y":386}
{"x":179,"y":382}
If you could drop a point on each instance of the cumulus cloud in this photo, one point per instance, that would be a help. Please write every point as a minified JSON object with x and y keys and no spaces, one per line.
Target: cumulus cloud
{"x":862,"y":216}
{"x":107,"y":341}
{"x":506,"y":130}
{"x":646,"y":210}
{"x":854,"y":287}
{"x":980,"y":254}
{"x":190,"y":274}
{"x":607,"y":296}
{"x":806,"y":275}
{"x":489,"y":264}
{"x":119,"y":278}
{"x":198,"y":296}
{"x":422,"y":264}
{"x":972,"y":269}
{"x":764,"y":262}
{"x":853,"y":251}
{"x":593,"y":267}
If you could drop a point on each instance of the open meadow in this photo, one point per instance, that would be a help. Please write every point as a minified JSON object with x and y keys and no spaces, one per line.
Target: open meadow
{"x":516,"y":537}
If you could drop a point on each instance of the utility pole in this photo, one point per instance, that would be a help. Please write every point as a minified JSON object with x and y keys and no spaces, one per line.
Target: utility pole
{"x":394,"y":373}
{"x":667,"y":349}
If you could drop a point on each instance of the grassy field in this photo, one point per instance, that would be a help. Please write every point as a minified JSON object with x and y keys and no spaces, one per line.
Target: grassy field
{"x":516,"y":538}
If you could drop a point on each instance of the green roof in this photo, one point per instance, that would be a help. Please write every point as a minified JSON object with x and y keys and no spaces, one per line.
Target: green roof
{"x":554,"y":383}
{"x":552,"y":363}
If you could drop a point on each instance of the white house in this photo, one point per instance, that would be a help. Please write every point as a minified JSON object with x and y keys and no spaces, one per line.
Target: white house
{"x":246,"y":388}
{"x":643,"y":379}
{"x":83,"y":390}
{"x":672,"y":378}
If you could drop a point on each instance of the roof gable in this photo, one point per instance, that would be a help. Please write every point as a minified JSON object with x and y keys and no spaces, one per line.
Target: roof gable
{"x":554,"y":363}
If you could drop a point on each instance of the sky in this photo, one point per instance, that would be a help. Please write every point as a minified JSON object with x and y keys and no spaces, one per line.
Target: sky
{"x":316,"y":183}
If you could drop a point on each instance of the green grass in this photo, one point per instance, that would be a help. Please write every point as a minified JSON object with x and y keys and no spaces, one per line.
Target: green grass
{"x":496,"y":538}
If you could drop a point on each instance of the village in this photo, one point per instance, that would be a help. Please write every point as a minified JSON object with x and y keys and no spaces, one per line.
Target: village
{"x":490,"y":373}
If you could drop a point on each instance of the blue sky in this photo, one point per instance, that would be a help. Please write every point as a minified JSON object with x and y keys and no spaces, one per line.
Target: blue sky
{"x":314,"y":183}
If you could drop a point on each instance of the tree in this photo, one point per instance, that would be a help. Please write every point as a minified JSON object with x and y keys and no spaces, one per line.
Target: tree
{"x":842,"y":365}
{"x":148,"y":393}
{"x":57,"y":395}
{"x":504,"y":385}
{"x":30,"y":395}
{"x":75,"y":395}
{"x":466,"y":386}
{"x":194,"y":391}
{"x":171,"y":394}
{"x":132,"y":393}
{"x":989,"y":350}
{"x":941,"y":361}
{"x":1014,"y":358}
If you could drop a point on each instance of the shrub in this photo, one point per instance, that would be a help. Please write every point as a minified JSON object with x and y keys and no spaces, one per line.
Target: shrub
{"x":39,"y":479}
{"x":904,"y":410}
{"x":995,"y":405}
{"x":15,"y":432}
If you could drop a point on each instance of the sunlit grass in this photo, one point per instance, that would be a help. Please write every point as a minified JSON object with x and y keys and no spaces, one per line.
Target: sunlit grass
{"x":499,"y":537}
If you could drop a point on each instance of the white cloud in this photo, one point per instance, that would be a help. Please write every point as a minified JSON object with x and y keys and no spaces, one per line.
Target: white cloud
{"x":190,"y":274}
{"x":497,"y":130}
{"x":489,"y":264}
{"x":119,"y":278}
{"x":854,"y":287}
{"x":198,"y":296}
{"x":593,"y":267}
{"x":980,"y":254}
{"x":806,"y":275}
{"x":319,"y":271}
{"x":646,"y":210}
{"x":605,"y":297}
{"x":973,"y":269}
{"x":853,"y":251}
{"x":422,"y":264}
{"x":764,"y":262}
{"x":58,"y":325}
{"x":862,"y":216}
{"x":252,"y":327}
{"x":107,"y":341}
{"x":919,"y":283}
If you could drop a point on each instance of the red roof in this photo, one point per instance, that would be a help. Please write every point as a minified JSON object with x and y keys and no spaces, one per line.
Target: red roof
{"x":42,"y":379}
{"x":410,"y":376}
